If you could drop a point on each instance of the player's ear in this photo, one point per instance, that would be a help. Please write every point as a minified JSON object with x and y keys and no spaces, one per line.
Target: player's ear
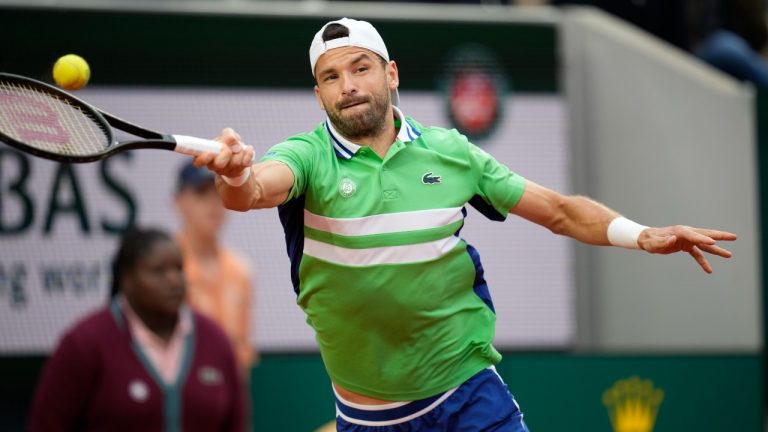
{"x":393,"y":75}
{"x":319,"y":100}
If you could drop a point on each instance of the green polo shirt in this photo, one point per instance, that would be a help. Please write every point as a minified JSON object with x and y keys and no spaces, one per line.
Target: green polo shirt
{"x":397,"y":299}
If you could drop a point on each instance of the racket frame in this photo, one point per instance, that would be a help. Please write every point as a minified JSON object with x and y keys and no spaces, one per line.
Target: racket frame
{"x":149,"y":138}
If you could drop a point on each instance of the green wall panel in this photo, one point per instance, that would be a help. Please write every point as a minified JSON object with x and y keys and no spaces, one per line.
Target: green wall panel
{"x":761,"y":120}
{"x":556,"y":392}
{"x":291,"y":393}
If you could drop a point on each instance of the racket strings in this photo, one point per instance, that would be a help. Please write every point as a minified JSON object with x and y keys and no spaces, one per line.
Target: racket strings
{"x":49,"y":122}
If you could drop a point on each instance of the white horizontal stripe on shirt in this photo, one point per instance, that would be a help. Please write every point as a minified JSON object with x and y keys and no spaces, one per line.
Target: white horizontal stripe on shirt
{"x":384,"y":223}
{"x":380,"y":255}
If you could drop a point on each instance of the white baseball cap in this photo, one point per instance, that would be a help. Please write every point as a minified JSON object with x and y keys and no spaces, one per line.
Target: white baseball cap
{"x":361,"y":34}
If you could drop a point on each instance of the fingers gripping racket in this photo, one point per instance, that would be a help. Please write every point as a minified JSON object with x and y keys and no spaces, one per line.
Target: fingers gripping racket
{"x":42,"y":120}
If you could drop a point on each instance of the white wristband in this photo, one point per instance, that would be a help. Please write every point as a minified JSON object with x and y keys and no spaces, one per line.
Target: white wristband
{"x":239,"y":180}
{"x":624,"y":233}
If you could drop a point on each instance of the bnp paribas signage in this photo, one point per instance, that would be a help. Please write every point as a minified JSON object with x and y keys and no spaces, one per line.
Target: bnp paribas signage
{"x":632,"y":404}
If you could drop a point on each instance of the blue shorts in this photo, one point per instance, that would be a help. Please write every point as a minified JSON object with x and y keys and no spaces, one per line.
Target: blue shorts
{"x":482,"y":403}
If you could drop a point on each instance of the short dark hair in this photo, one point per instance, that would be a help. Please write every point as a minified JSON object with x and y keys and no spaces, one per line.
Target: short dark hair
{"x":133,"y":245}
{"x":335,"y":30}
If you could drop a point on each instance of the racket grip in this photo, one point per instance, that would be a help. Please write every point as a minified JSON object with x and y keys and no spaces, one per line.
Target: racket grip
{"x":194,"y":146}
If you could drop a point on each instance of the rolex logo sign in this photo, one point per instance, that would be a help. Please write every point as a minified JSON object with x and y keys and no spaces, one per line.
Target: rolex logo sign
{"x":632,"y":404}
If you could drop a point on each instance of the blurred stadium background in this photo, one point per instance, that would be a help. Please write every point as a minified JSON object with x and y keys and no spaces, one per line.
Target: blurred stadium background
{"x":570,"y":97}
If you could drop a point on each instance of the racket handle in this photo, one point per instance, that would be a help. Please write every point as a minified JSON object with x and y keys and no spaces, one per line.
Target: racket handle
{"x":195,"y":146}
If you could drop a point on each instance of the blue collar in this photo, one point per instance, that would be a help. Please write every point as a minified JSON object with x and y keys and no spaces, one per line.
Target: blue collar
{"x":345,"y":148}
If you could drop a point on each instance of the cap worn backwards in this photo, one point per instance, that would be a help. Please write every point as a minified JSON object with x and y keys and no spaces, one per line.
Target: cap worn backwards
{"x":361,"y":34}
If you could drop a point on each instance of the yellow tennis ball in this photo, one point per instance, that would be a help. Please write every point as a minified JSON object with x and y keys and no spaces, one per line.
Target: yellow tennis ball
{"x":71,"y":72}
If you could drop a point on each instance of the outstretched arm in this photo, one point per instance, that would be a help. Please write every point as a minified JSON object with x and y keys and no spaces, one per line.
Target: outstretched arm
{"x":242,"y":185}
{"x":590,"y":222}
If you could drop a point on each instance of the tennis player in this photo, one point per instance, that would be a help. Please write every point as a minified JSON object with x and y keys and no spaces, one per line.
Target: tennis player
{"x":372,"y":203}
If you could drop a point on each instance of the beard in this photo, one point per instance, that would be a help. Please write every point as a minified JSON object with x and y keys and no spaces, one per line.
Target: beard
{"x":364,"y":124}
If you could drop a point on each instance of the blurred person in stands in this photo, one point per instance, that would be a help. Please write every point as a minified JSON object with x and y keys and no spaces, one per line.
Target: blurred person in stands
{"x":731,"y":35}
{"x":218,"y":281}
{"x":144,"y":362}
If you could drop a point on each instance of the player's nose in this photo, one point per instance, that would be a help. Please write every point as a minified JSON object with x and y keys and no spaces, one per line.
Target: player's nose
{"x":348,"y":86}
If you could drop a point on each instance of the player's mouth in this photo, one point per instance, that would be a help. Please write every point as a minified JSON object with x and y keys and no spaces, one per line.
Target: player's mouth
{"x":353,"y":103}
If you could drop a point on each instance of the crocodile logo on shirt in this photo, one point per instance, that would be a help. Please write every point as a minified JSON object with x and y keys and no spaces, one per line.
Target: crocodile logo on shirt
{"x":429,"y":179}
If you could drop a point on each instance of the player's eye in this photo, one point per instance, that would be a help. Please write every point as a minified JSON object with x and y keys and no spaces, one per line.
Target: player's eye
{"x":330,"y":77}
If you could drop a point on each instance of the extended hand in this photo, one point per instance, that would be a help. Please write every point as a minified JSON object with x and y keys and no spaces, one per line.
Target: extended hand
{"x":678,"y":238}
{"x":233,"y":158}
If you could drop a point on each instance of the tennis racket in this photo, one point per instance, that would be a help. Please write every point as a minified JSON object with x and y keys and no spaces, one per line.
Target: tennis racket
{"x":45,"y":121}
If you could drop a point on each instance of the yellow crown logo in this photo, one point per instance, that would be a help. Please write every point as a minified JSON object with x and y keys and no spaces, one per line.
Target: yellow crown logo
{"x":632,"y":404}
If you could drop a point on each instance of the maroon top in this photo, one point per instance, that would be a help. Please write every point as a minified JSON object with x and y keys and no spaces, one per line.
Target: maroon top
{"x":99,"y":380}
